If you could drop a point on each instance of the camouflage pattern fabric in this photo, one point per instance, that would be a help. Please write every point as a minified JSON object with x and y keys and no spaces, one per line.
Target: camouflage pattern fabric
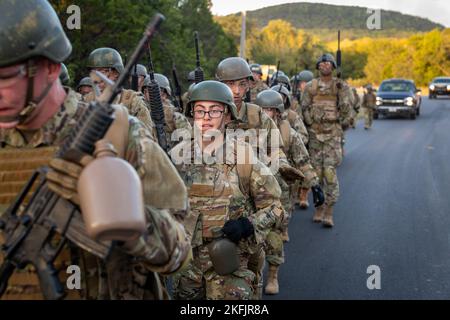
{"x":215,"y":196}
{"x":129,"y":273}
{"x":257,"y":87}
{"x":135,"y":103}
{"x":326,"y":112}
{"x":369,"y":105}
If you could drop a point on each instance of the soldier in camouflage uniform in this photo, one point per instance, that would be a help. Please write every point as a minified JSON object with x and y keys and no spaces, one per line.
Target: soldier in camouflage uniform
{"x":272,"y":103}
{"x":36,"y":116}
{"x":258,"y":84}
{"x":109,"y":62}
{"x":174,"y":120}
{"x":236,"y":74}
{"x":241,"y":197}
{"x":369,"y":104}
{"x":355,"y":107}
{"x":141,"y":72}
{"x":304,"y":77}
{"x":85,"y":86}
{"x":297,"y":124}
{"x":326,"y":105}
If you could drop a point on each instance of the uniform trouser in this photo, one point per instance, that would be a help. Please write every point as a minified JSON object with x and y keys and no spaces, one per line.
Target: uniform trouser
{"x":326,"y":156}
{"x":199,"y":281}
{"x":256,"y":265}
{"x":368,"y":117}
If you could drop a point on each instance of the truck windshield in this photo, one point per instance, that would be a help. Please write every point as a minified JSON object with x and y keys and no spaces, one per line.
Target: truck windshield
{"x":396,"y":87}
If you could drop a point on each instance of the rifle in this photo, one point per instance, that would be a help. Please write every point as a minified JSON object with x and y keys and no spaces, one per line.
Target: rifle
{"x":199,"y":75}
{"x":295,"y":92}
{"x":275,"y":80}
{"x":134,"y":79}
{"x":30,"y":237}
{"x":179,"y":102}
{"x":156,"y":106}
{"x":338,"y":56}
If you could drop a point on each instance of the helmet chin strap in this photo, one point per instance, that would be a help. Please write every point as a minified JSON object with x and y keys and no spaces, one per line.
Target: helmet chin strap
{"x":30,"y":104}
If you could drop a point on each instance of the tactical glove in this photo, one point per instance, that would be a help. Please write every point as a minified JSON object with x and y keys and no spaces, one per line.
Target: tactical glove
{"x":318,"y":196}
{"x":291,"y":174}
{"x":62,"y":177}
{"x":236,"y":230}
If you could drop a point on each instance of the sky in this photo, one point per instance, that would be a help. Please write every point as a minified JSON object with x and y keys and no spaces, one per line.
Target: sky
{"x":435,"y":10}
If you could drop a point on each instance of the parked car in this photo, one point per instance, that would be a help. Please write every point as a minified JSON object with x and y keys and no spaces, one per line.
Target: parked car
{"x":398,"y":97}
{"x":439,"y":86}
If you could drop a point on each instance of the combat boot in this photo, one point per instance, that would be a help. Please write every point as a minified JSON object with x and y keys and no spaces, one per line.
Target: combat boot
{"x":285,"y":236}
{"x":328,"y":217}
{"x":318,"y":214}
{"x":272,"y":280}
{"x":303,"y":196}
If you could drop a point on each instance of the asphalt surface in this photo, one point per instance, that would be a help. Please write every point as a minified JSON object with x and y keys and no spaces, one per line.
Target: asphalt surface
{"x":394,"y":212}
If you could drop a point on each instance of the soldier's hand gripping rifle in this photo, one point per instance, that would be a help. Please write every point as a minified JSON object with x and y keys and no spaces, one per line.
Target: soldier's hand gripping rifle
{"x":30,"y":237}
{"x":177,"y":99}
{"x":199,"y":75}
{"x":156,"y":106}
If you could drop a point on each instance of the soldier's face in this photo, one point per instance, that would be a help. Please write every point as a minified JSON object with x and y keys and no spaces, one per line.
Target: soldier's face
{"x":271,"y":112}
{"x":111,"y":74}
{"x":208,"y":115}
{"x":325,"y":68}
{"x":14,"y":84}
{"x":256,"y":76}
{"x":84,"y":90}
{"x":239,"y":89}
{"x":302,"y":85}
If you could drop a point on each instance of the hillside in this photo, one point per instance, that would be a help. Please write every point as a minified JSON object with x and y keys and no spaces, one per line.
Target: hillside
{"x":320,"y":18}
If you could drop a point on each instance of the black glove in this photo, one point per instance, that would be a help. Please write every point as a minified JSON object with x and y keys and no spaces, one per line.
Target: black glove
{"x":318,"y":196}
{"x":236,"y":230}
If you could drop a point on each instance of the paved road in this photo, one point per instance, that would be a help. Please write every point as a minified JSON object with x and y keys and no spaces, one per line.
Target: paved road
{"x":394,"y":212}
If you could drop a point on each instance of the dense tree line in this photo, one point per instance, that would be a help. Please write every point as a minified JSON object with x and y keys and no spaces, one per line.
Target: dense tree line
{"x":119,"y":24}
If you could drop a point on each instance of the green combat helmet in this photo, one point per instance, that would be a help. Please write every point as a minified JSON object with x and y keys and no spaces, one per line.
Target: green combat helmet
{"x":30,"y":29}
{"x":256,"y":68}
{"x":86,"y":81}
{"x":305,"y":76}
{"x":191,"y":76}
{"x":284,"y":92}
{"x":284,"y":80}
{"x":105,"y":58}
{"x":162,"y":81}
{"x":327,"y":57}
{"x":270,"y":99}
{"x":233,"y":68}
{"x":141,"y":70}
{"x":210,"y":90}
{"x":64,"y":75}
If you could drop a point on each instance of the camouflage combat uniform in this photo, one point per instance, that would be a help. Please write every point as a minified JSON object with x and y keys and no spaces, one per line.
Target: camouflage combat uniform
{"x":219,"y":192}
{"x":326,"y":110}
{"x":257,"y":87}
{"x":355,"y":107}
{"x":135,"y":103}
{"x":125,"y":274}
{"x":369,"y":105}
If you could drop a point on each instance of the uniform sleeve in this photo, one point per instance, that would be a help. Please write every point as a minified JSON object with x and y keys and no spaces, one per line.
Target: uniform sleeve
{"x":265,"y":192}
{"x":165,"y":246}
{"x":300,"y":158}
{"x":345,"y":105}
{"x":306,"y":101}
{"x":139,"y":109}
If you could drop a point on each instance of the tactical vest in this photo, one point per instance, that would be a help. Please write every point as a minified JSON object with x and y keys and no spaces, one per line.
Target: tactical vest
{"x":324,"y":107}
{"x":370,"y":100}
{"x":292,"y":117}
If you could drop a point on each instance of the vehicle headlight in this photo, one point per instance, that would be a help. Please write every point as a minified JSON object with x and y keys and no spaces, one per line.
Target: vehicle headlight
{"x":379,"y":101}
{"x":432,"y":87}
{"x":409,"y":101}
{"x":448,"y":87}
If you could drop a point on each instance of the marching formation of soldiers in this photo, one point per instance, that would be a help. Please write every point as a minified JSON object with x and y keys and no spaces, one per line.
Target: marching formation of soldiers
{"x":210,"y":225}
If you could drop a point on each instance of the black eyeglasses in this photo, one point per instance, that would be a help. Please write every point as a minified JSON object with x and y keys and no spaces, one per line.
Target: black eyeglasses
{"x":200,"y":114}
